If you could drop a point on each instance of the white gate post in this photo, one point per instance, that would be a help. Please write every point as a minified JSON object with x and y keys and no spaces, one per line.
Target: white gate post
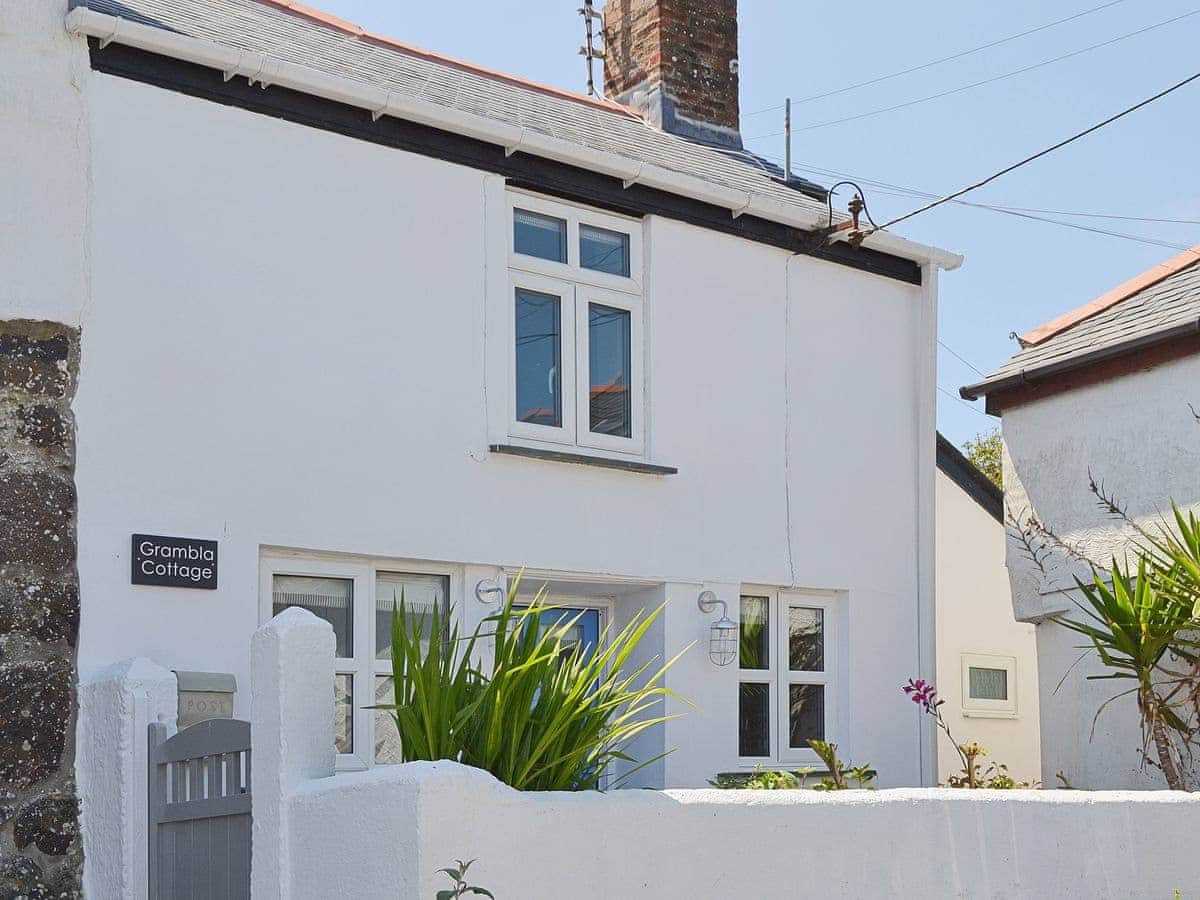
{"x":116,"y":705}
{"x":291,"y":733}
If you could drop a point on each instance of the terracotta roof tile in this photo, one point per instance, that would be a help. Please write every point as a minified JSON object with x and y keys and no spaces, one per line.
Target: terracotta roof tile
{"x":1157,"y":302}
{"x":1110,"y":298}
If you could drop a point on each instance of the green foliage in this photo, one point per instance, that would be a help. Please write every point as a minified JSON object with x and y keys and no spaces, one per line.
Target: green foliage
{"x":458,"y":875}
{"x":763,"y":779}
{"x":839,"y":774}
{"x":550,"y":714}
{"x":974,"y":775}
{"x":987,"y":453}
{"x":1142,"y":627}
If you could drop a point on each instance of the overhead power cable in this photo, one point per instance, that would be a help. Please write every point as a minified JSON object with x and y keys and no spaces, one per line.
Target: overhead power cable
{"x":954,"y":56}
{"x":896,"y":190}
{"x":956,"y":355}
{"x":1041,"y":153}
{"x":995,"y":78}
{"x":975,"y":409}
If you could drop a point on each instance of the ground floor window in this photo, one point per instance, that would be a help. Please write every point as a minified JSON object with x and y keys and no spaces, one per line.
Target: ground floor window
{"x":357,"y":597}
{"x":989,"y":685}
{"x":786,"y":675}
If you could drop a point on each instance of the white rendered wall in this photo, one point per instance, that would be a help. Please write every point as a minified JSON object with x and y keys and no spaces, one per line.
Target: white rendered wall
{"x":45,"y":165}
{"x":1136,"y":434}
{"x":974,"y":615}
{"x":288,"y":347}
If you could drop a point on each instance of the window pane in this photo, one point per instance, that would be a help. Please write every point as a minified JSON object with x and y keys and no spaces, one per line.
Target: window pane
{"x":754,"y":633}
{"x":542,"y":236}
{"x":604,"y":250}
{"x":539,"y":358}
{"x":988,"y":684}
{"x":754,"y":720}
{"x":332,"y":599}
{"x":806,"y":714}
{"x":421,"y":594}
{"x":806,"y":639}
{"x":343,"y":713}
{"x":609,"y":364}
{"x":387,"y":739}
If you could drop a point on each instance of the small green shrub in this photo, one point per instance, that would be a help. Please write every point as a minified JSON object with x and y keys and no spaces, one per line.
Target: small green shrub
{"x":839,"y":773}
{"x":458,"y":875}
{"x":840,"y":778}
{"x":550,"y":715}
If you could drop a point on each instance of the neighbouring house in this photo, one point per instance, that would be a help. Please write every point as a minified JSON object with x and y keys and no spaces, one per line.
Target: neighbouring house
{"x":986,"y":660}
{"x":305,"y":316}
{"x":1104,"y":395}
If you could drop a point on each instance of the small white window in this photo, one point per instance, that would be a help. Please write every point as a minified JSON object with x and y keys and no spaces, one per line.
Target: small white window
{"x":576,"y":366}
{"x":786,"y":686}
{"x":989,"y":685}
{"x":356,"y":597}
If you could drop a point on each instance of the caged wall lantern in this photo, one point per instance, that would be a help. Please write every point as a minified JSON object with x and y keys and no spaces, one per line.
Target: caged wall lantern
{"x":722,"y":635}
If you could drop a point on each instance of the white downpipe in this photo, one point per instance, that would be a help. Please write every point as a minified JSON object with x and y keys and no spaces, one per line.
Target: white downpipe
{"x":379,"y":101}
{"x":926,"y":509}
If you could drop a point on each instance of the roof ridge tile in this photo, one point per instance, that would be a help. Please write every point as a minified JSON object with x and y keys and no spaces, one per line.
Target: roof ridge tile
{"x":1111,"y":298}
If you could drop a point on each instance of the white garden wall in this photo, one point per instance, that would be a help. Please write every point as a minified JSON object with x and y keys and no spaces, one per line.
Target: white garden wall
{"x":385,"y":833}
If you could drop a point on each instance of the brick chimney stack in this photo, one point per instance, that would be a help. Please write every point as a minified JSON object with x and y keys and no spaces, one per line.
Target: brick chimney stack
{"x":676,"y":61}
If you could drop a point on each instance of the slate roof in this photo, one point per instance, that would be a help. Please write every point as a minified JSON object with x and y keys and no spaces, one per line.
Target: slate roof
{"x":300,"y":35}
{"x":1136,"y":313}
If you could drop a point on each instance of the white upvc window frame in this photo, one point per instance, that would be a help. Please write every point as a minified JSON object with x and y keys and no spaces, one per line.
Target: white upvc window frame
{"x":363,"y":666}
{"x":578,"y":287}
{"x":568,"y":358}
{"x":585,"y":295}
{"x":989,"y":709}
{"x":786,"y":601}
{"x":779,"y":677}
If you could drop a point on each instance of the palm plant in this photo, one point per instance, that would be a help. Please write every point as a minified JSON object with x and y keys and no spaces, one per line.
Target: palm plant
{"x":550,"y":714}
{"x":1139,"y":627}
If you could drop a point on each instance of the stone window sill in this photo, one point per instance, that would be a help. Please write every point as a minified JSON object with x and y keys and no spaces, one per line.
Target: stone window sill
{"x":583,"y":459}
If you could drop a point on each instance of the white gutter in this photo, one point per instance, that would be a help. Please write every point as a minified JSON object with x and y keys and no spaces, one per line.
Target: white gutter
{"x":268,"y":71}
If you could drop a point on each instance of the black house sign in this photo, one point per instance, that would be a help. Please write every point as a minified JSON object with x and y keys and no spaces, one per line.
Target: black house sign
{"x":174,"y":561}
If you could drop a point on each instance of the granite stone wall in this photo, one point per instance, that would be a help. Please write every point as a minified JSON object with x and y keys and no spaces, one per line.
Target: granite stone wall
{"x":40,"y":850}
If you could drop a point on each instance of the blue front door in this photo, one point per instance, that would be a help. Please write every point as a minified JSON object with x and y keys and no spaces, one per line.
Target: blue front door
{"x":584,"y":626}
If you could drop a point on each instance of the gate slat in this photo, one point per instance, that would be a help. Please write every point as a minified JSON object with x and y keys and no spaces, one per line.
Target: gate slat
{"x":195,"y":810}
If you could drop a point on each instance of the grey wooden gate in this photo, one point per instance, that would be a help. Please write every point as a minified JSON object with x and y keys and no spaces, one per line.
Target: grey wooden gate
{"x":200,"y":811}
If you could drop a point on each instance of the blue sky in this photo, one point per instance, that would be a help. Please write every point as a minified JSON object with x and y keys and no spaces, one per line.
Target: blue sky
{"x":1018,"y":273}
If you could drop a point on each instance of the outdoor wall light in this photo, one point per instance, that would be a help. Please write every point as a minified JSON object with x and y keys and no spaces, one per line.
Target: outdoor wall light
{"x":488,"y":592}
{"x":722,"y":636}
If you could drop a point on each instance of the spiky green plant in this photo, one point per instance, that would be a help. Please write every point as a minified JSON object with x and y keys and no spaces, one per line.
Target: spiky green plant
{"x":550,"y":714}
{"x":1139,"y":625}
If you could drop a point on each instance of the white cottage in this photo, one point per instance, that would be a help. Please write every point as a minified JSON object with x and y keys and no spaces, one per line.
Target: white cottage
{"x":986,"y":660}
{"x":348,"y":317}
{"x":1105,"y":393}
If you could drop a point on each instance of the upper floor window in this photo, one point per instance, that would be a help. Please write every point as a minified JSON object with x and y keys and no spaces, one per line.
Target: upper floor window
{"x":575,"y":283}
